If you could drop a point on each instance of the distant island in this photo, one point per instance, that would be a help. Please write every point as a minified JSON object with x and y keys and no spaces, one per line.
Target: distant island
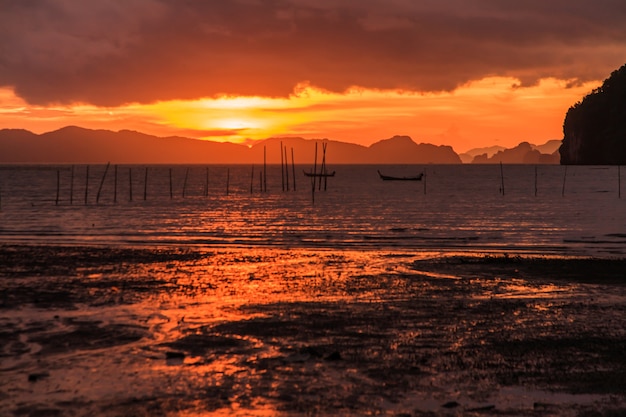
{"x":79,"y":145}
{"x":594,"y":130}
{"x":524,"y":153}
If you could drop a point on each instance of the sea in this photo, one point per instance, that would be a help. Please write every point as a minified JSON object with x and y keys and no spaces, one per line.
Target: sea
{"x":506,"y":209}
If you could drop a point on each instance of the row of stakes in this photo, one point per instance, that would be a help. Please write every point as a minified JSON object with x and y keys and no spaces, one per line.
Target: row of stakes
{"x":316,"y":179}
{"x":286,"y":186}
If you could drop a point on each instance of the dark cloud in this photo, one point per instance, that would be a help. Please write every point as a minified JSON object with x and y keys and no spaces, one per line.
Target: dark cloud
{"x":109,"y":52}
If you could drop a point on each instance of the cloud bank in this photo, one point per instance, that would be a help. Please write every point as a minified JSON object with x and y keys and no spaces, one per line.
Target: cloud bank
{"x":109,"y":52}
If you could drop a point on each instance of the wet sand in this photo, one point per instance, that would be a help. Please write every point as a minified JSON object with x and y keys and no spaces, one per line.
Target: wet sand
{"x":116,"y":331}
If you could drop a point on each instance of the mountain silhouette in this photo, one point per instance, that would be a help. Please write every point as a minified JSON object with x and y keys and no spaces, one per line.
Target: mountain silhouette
{"x":78,"y":145}
{"x":524,"y":153}
{"x":468,"y":157}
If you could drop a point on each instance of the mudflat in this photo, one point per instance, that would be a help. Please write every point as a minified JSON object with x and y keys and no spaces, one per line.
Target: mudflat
{"x":162,"y":331}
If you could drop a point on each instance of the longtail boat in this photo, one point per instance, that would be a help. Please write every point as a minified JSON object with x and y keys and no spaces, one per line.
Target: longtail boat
{"x":417,"y":177}
{"x":319,"y":174}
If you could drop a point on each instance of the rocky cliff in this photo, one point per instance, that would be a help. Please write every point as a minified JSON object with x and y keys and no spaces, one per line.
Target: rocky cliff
{"x":594,"y":130}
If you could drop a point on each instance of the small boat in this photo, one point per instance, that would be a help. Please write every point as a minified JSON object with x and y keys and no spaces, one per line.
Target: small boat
{"x":319,"y":174}
{"x":417,"y":177}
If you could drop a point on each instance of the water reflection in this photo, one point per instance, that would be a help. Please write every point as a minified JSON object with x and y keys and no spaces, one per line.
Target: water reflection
{"x":260,"y":332}
{"x":463,"y":210}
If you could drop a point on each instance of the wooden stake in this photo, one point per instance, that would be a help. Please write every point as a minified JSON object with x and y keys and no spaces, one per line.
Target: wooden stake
{"x":185,"y":182}
{"x":502,"y":177}
{"x":227,"y":179}
{"x":313,"y":177}
{"x":206,"y":184}
{"x":535,"y":180}
{"x":564,"y":177}
{"x":115,"y":186}
{"x":86,"y":184}
{"x":323,"y":167}
{"x":171,"y":188}
{"x":286,"y":169}
{"x":293,"y":170}
{"x":56,"y":202}
{"x":282,"y":169}
{"x":145,"y":185}
{"x":130,"y":183}
{"x":102,"y":182}
{"x":252,"y":179}
{"x":72,"y":187}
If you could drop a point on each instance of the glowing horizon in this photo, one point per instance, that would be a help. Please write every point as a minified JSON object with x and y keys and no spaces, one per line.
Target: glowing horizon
{"x":491,"y":111}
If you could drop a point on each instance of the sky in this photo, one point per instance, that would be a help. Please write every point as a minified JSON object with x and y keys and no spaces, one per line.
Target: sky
{"x":456,"y":72}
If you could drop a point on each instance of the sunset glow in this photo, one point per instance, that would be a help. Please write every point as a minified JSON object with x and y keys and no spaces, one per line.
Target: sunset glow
{"x":490,"y":111}
{"x":447,"y":73}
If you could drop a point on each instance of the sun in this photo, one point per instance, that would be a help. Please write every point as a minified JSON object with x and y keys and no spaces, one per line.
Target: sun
{"x":235,"y":124}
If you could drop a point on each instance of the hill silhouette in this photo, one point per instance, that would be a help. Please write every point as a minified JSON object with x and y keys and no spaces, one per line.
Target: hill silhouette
{"x":524,"y":153}
{"x":468,"y":157}
{"x":594,"y":129}
{"x":78,"y":145}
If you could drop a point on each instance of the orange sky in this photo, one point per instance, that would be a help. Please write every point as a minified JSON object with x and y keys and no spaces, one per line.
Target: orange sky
{"x":489,"y":73}
{"x":482,"y":113}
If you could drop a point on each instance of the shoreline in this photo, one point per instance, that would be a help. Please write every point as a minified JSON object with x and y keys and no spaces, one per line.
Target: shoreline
{"x":119,"y":331}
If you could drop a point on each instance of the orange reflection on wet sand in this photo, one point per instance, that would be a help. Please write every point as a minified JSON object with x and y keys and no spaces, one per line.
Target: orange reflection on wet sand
{"x":298,"y":332}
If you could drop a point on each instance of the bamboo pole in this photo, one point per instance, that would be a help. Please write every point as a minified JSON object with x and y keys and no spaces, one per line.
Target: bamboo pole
{"x":206,"y":183}
{"x":264,"y":169}
{"x":293,"y":170}
{"x":564,"y":177}
{"x":102,"y":182}
{"x":86,"y":184}
{"x":227,"y":180}
{"x":282,"y":169}
{"x":56,"y":202}
{"x":115,"y":186}
{"x":260,"y":181}
{"x":323,"y":168}
{"x":286,"y":169}
{"x":252,"y":179}
{"x":619,"y":182}
{"x":145,"y":185}
{"x":325,"y":177}
{"x":171,"y":187}
{"x":72,"y":186}
{"x":130,"y":183}
{"x":313,"y":177}
{"x":185,"y":182}
{"x":502,"y":178}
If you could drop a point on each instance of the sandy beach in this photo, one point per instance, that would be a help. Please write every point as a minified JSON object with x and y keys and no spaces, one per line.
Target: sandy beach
{"x":154,"y":331}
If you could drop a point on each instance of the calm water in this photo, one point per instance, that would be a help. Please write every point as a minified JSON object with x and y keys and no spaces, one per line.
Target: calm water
{"x":457,"y":208}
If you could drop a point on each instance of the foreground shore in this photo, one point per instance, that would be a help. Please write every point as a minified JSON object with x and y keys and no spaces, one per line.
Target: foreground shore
{"x":119,"y":331}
